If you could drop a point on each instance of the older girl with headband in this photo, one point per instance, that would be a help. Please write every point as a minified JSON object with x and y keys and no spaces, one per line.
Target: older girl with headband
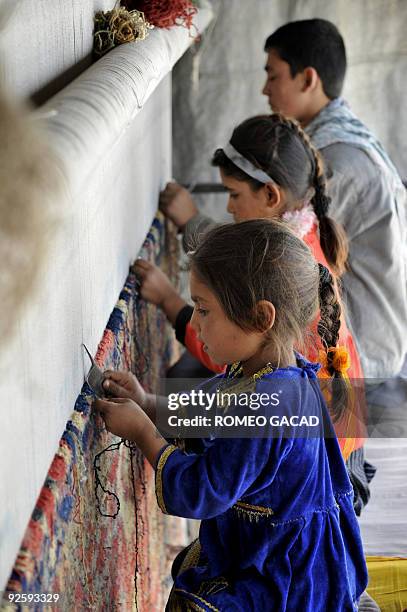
{"x":271,"y":170}
{"x":278,"y":530}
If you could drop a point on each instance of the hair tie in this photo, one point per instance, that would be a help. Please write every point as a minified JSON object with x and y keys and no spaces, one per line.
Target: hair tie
{"x":336,"y":358}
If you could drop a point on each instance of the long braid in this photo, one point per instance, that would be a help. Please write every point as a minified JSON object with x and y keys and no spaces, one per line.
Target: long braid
{"x":333,"y":239}
{"x":328,"y":330}
{"x":335,"y":247}
{"x":330,"y":322}
{"x":321,"y":201}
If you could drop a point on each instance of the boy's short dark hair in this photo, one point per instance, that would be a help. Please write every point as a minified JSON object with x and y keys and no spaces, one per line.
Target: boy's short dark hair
{"x":316,"y":43}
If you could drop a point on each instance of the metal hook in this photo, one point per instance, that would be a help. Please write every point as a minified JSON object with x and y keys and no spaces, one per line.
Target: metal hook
{"x":95,"y":376}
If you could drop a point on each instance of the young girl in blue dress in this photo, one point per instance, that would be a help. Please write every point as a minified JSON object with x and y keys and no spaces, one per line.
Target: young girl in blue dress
{"x":278,"y":528}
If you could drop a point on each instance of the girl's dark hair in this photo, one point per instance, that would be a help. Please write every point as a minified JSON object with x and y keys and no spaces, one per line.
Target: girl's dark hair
{"x":244,"y":263}
{"x":279,"y":147}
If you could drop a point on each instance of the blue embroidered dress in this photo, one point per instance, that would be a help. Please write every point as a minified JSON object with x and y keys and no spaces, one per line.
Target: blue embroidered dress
{"x":278,"y":530}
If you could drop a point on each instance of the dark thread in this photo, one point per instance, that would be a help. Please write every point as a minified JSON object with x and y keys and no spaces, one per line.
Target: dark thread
{"x":98,"y":482}
{"x":132,"y":448}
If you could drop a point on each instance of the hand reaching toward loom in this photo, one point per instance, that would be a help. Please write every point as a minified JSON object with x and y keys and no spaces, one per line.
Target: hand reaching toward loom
{"x":156,"y":287}
{"x":177,"y":204}
{"x":124,"y":418}
{"x":124,"y":385}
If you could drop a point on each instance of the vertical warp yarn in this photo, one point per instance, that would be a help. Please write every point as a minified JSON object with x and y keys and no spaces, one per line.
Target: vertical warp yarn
{"x":72,"y":545}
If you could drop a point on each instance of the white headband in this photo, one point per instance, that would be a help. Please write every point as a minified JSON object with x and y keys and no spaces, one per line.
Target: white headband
{"x":246,"y":166}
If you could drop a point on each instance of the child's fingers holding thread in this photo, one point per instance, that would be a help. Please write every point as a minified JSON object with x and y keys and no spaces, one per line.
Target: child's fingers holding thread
{"x":123,"y":384}
{"x":118,"y":400}
{"x":122,"y":416}
{"x":109,"y":374}
{"x":142,"y":267}
{"x":115,"y":389}
{"x":102,"y":406}
{"x":122,"y":377}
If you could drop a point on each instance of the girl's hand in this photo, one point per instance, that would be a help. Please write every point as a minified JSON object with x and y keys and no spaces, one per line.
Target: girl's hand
{"x":156,"y":287}
{"x":122,"y":417}
{"x":177,"y":204}
{"x":124,"y":385}
{"x":126,"y":419}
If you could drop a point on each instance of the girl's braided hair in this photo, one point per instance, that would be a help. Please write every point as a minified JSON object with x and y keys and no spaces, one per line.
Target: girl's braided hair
{"x":244,"y":263}
{"x":283,"y":150}
{"x":328,"y":330}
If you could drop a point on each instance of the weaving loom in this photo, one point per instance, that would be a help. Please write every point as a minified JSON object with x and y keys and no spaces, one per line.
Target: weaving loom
{"x":110,"y":132}
{"x":96,"y":535}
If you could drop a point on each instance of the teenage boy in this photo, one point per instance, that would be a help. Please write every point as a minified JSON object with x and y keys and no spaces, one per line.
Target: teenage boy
{"x":306,"y":66}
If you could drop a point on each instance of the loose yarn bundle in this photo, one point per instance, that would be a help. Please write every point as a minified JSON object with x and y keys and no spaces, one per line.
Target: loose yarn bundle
{"x":116,"y":27}
{"x":165,"y":14}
